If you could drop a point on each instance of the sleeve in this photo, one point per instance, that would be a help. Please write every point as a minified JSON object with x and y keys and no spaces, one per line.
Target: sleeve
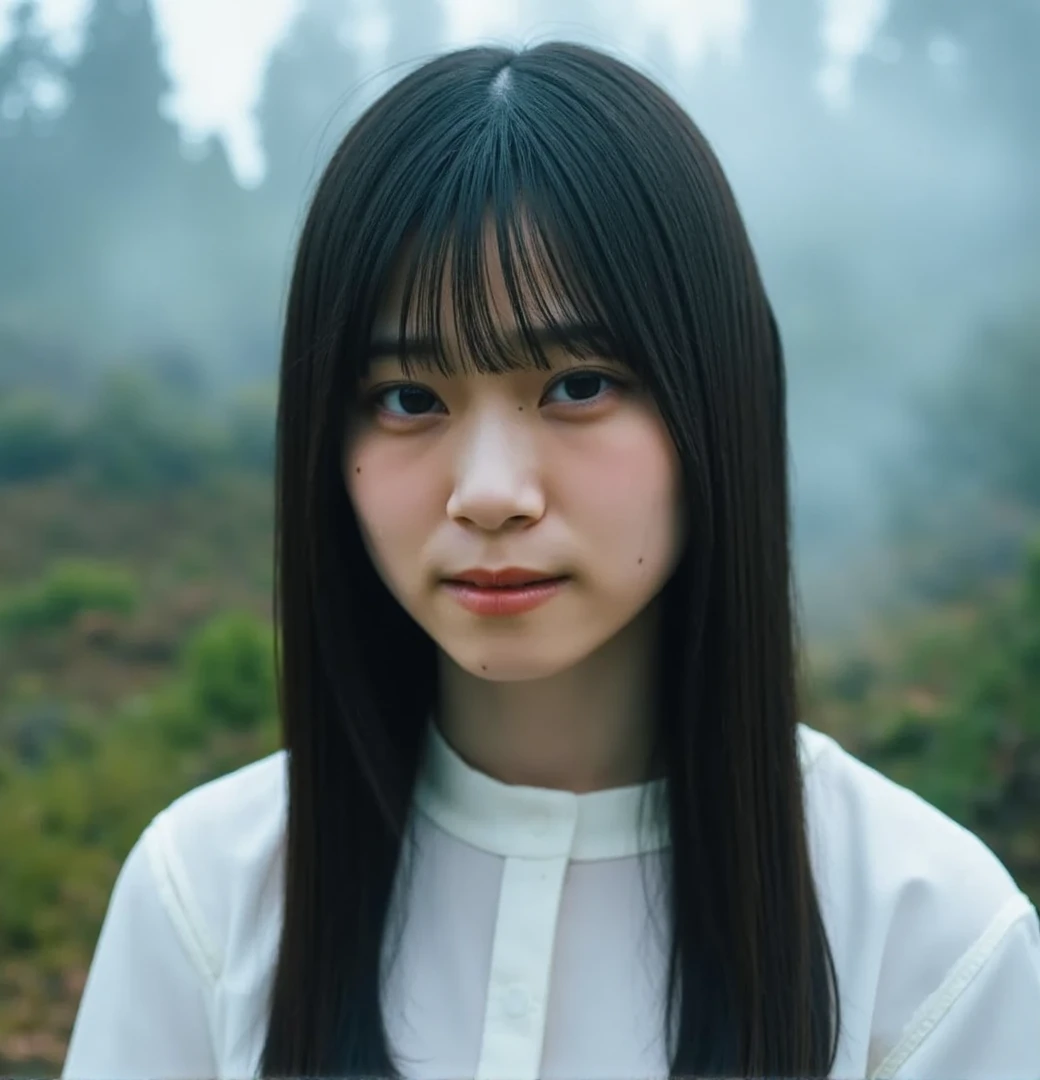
{"x":146,"y":1006}
{"x":983,"y":1023}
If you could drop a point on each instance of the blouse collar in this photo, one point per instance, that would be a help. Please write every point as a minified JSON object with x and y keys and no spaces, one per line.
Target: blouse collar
{"x":536,"y":823}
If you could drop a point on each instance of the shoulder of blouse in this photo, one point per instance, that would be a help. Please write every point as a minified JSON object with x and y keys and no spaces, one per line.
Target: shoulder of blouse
{"x":918,"y":910}
{"x":216,"y":853}
{"x":917,"y":907}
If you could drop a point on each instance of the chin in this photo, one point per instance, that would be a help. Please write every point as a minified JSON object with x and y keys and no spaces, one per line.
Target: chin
{"x":512,"y":662}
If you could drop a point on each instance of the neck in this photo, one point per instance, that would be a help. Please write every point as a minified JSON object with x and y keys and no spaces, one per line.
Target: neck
{"x":588,"y":728}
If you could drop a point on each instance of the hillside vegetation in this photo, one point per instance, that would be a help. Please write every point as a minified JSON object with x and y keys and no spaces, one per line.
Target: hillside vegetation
{"x":137,"y":662}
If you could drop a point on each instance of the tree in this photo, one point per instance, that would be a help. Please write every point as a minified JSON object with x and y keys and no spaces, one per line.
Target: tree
{"x":975,"y":66}
{"x":30,"y":87}
{"x":965,"y":76}
{"x":992,"y":47}
{"x":27,"y":66}
{"x":113,"y":163}
{"x":114,"y":121}
{"x":766,"y":109}
{"x":308,"y":91}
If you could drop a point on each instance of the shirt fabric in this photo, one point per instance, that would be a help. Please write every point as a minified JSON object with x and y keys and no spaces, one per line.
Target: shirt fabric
{"x":529,"y":949}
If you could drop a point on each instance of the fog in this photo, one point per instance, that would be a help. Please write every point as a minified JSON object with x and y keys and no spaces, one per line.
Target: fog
{"x":897,"y":232}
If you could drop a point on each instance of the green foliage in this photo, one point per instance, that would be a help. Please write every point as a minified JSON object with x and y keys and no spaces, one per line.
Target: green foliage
{"x":229,"y":669}
{"x":35,"y":439}
{"x":251,"y":426}
{"x":70,"y":588}
{"x":136,"y":440}
{"x":959,"y":724}
{"x":952,"y":711}
{"x":68,"y":822}
{"x":138,"y":435}
{"x":1031,"y":596}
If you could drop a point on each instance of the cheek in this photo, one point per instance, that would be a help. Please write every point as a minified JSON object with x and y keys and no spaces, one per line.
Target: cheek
{"x":626,"y":490}
{"x":391,"y":494}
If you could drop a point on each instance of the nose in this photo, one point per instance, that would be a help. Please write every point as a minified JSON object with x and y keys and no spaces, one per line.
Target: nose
{"x":496,"y":476}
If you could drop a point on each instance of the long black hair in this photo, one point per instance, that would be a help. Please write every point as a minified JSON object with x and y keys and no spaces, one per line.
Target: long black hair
{"x":601,"y":190}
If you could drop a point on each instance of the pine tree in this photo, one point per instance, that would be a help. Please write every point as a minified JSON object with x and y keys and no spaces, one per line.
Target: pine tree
{"x":976,"y":60}
{"x":118,"y":89}
{"x":767,"y":110}
{"x":26,"y":62}
{"x":28,"y":65}
{"x":309,"y":98}
{"x":968,"y":75}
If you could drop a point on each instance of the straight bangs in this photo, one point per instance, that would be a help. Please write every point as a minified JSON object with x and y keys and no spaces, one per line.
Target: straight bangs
{"x":433,"y":214}
{"x":448,"y":270}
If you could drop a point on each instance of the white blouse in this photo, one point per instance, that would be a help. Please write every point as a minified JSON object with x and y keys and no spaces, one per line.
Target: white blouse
{"x":527,"y":948}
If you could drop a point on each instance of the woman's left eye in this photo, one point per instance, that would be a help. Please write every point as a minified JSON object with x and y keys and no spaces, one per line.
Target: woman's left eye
{"x":583,"y":386}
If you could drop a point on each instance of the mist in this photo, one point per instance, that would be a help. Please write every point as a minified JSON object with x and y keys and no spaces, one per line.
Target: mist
{"x":896,"y":233}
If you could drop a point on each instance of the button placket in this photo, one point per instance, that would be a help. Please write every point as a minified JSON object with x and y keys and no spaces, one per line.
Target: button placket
{"x":521,"y":961}
{"x":517,"y":1002}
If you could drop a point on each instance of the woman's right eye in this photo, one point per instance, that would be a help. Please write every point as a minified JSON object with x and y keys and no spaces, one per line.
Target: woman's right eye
{"x":405,"y":400}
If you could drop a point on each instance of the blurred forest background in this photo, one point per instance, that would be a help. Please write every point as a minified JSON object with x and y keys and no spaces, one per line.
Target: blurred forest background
{"x":141,"y":286}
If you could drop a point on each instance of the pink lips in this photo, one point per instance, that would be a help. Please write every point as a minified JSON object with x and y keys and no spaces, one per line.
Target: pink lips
{"x":511,"y":591}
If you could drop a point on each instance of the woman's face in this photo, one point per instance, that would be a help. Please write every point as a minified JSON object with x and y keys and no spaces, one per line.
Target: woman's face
{"x":568,"y":473}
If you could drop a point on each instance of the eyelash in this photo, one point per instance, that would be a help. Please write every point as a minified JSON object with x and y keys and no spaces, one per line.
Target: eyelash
{"x":615,"y":383}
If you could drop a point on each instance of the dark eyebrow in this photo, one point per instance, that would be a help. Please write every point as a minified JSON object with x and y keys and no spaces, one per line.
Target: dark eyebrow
{"x":569,"y":333}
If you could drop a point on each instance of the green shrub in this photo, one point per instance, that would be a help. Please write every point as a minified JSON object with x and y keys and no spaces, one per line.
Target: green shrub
{"x":140,"y":433}
{"x":71,"y":587}
{"x":229,"y":670}
{"x":67,"y":823}
{"x":976,"y":754}
{"x":35,"y":439}
{"x":251,"y":424}
{"x":136,"y":440}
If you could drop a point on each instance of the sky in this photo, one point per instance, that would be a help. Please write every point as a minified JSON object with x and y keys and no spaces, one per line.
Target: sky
{"x":215,"y":51}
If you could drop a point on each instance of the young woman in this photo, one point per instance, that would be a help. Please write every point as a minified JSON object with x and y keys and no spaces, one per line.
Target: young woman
{"x":545,"y":808}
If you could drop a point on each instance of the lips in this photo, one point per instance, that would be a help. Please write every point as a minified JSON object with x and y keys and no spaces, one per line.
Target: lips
{"x":511,"y":577}
{"x":524,"y":593}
